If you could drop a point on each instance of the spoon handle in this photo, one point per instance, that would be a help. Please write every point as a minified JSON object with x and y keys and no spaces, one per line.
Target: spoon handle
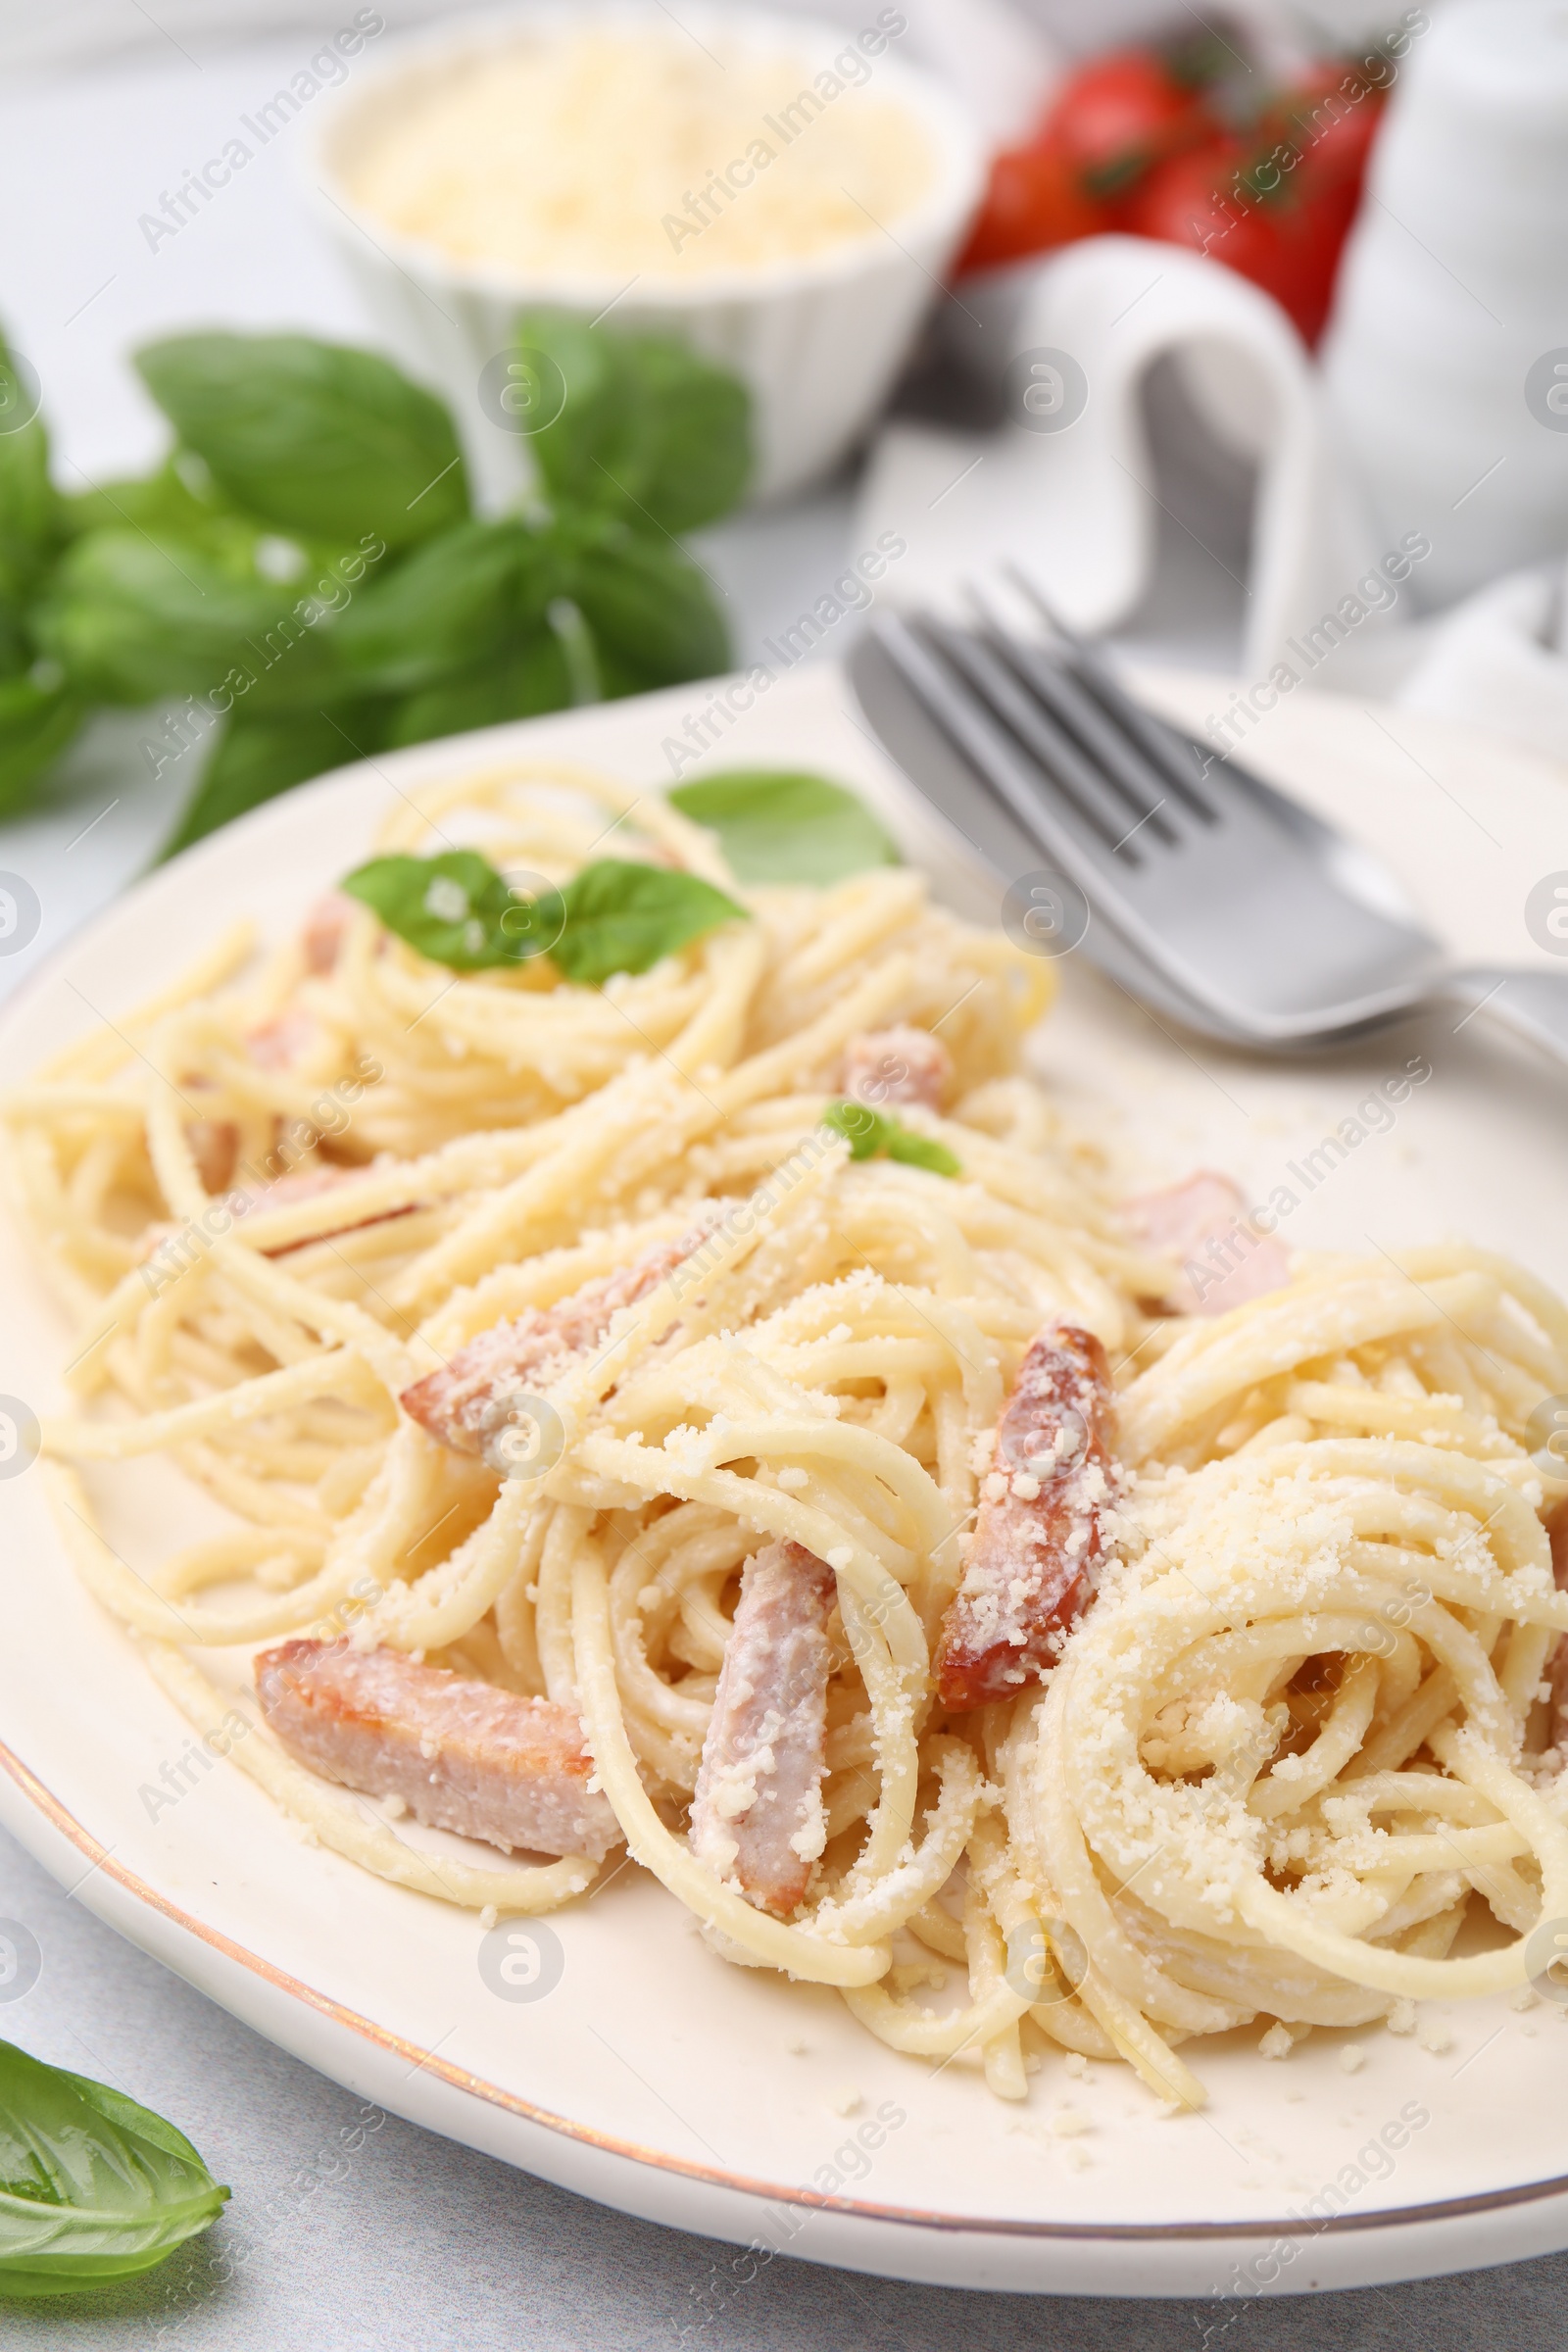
{"x":1534,"y":1002}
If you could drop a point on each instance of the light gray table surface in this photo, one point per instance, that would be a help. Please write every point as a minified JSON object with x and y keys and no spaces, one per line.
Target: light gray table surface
{"x":413,"y":2241}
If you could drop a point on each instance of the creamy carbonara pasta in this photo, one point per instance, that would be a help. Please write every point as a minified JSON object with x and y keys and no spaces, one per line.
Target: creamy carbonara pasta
{"x":720,"y":1414}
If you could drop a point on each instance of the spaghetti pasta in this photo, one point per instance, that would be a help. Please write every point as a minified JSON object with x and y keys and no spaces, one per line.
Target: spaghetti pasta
{"x":1297,"y":1739}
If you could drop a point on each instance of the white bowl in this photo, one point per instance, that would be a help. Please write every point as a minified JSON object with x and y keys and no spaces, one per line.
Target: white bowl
{"x":818,"y":341}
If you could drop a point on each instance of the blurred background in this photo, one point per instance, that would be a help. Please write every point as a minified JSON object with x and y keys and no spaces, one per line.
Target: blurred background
{"x":104,"y":29}
{"x":1354,"y":379}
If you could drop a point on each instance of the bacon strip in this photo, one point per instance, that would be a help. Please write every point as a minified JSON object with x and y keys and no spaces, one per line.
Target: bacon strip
{"x":1203,"y":1224}
{"x":1557,"y":1663}
{"x":757,"y":1816}
{"x":468,"y":1403}
{"x":896,"y":1065}
{"x":463,"y":1755}
{"x":214,"y":1148}
{"x":1033,"y":1559}
{"x":284,"y":1040}
{"x":325,"y":928}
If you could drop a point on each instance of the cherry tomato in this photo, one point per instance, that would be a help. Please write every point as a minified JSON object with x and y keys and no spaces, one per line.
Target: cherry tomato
{"x":1034,"y":201}
{"x":1105,"y":127}
{"x":1265,"y":222}
{"x":1122,"y":113}
{"x":1329,"y":125}
{"x":1128,"y":142}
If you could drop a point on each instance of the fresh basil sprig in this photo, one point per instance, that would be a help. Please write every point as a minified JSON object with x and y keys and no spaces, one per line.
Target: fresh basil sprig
{"x":614,"y":916}
{"x":777,"y":825}
{"x":305,"y":574}
{"x":93,"y":2187}
{"x":876,"y":1134}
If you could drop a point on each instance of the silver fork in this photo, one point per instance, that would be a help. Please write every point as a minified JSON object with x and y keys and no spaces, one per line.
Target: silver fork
{"x":1210,"y":895}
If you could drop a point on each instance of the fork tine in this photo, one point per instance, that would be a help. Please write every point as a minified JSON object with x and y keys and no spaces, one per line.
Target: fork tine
{"x":990,"y":749}
{"x":1151,"y":737}
{"x":1099,"y":798}
{"x":1144,"y":787}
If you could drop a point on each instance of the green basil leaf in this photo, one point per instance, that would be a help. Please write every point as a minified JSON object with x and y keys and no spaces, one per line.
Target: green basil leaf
{"x":922,"y":1152}
{"x":181,"y":506}
{"x":459,"y":604}
{"x":257,"y":758}
{"x":32,"y":510}
{"x":614,"y":916}
{"x":624,"y":917}
{"x":93,"y":2187}
{"x":455,"y":909}
{"x":652,"y":613}
{"x":520,"y":685}
{"x":164,"y":506}
{"x":648,"y":429}
{"x":312,"y":438}
{"x":776,"y":826}
{"x":163,"y":503}
{"x":860,"y":1126}
{"x":37,"y":720}
{"x":130,"y":618}
{"x":450,"y":908}
{"x":872,"y":1134}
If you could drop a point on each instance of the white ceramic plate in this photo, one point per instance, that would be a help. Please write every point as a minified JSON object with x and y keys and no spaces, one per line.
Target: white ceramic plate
{"x":651,"y":2075}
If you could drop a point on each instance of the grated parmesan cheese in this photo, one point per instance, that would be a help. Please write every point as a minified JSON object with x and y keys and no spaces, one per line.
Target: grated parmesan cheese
{"x":603,"y":153}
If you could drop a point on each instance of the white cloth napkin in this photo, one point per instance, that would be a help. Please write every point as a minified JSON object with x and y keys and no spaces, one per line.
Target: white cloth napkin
{"x":1074,"y":502}
{"x":1497,"y":660}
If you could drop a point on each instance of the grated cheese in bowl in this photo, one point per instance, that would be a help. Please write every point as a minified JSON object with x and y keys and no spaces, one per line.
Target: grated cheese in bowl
{"x":611,"y":148}
{"x":783,"y":194}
